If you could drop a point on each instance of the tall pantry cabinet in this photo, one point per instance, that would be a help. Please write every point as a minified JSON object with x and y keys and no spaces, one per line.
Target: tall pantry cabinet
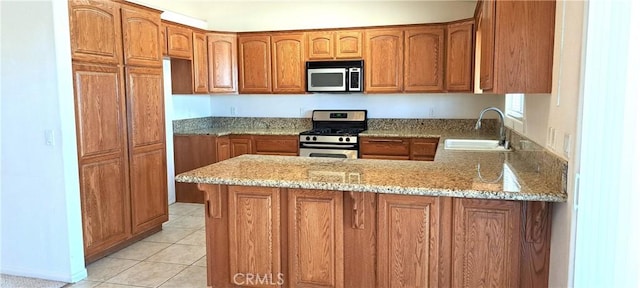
{"x":117,"y":76}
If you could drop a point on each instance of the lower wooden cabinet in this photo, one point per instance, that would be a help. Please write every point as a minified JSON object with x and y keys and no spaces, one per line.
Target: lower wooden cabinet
{"x":191,"y":152}
{"x":318,"y":238}
{"x":395,"y":148}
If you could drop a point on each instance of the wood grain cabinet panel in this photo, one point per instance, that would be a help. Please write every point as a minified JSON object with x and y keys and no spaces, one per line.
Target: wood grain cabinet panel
{"x":460,"y":48}
{"x":191,"y":152}
{"x":424,"y":59}
{"x":200,"y":63}
{"x":145,"y":106}
{"x":179,"y":42}
{"x":276,"y":145}
{"x":254,"y":231}
{"x":424,"y":149}
{"x":223,"y":62}
{"x":385,"y":146}
{"x":149,"y":203}
{"x":408,"y":237}
{"x":288,"y":63}
{"x":254,"y":63}
{"x":141,"y":37}
{"x":163,"y":35}
{"x":517,"y":46}
{"x":223,"y":148}
{"x":315,"y":238}
{"x":320,"y":45}
{"x":384,"y":51}
{"x":95,"y":31}
{"x":486,"y":243}
{"x":348,"y":44}
{"x":240,"y":145}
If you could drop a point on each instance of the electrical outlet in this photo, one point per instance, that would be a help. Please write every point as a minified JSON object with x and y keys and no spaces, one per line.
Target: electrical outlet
{"x":566,"y":145}
{"x":303,"y":111}
{"x":49,"y":137}
{"x":551,"y":137}
{"x":432,"y":112}
{"x":232,"y":110}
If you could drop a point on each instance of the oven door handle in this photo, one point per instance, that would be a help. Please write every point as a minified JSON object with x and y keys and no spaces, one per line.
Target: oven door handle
{"x":339,"y":146}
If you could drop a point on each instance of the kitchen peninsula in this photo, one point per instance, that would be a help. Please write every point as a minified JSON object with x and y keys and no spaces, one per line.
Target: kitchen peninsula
{"x":466,"y":219}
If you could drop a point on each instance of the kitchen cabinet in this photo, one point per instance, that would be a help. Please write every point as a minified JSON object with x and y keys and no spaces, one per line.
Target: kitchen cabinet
{"x":486,"y":244}
{"x":119,"y":123}
{"x":408,"y":241}
{"x":163,"y":36}
{"x":460,"y":48}
{"x":516,"y":39}
{"x":315,"y":256}
{"x":384,"y":61}
{"x":179,"y":41}
{"x":200,"y":63}
{"x":141,"y":37}
{"x":288,"y":63}
{"x":191,"y":152}
{"x":398,"y":148}
{"x":275,"y":145}
{"x":223,"y":148}
{"x":340,"y":44}
{"x":223,"y":62}
{"x":424,"y":59}
{"x":240,"y":145}
{"x":95,"y":29}
{"x":254,"y":63}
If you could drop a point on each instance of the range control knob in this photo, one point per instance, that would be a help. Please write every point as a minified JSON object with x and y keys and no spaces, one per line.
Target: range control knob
{"x":340,"y":139}
{"x":348,"y":139}
{"x":308,"y":138}
{"x":314,"y":138}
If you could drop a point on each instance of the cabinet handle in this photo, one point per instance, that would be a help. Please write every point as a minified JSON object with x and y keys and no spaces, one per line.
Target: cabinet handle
{"x":357,"y":221}
{"x":386,"y":140}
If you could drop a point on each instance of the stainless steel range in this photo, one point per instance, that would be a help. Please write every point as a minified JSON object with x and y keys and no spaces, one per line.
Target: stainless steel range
{"x":334,"y":134}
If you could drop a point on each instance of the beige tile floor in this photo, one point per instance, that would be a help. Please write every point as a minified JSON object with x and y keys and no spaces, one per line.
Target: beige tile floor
{"x":173,"y":257}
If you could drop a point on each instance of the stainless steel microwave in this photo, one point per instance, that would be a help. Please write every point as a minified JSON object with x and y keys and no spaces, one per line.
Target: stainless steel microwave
{"x":335,"y":76}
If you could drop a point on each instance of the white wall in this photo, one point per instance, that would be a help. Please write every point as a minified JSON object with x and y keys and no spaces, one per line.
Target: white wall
{"x":451,"y":106}
{"x":286,"y":15}
{"x":41,"y":222}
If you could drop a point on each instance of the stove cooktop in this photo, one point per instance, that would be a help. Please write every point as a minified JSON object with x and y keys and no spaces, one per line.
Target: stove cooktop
{"x":333,"y":131}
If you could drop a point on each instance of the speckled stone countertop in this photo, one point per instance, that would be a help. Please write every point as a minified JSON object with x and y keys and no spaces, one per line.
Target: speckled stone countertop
{"x":222,"y":131}
{"x":452,"y":174}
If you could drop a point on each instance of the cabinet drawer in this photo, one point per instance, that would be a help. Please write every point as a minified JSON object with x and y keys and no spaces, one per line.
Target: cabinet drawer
{"x":424,"y":148}
{"x":384,"y":146}
{"x":384,"y":157}
{"x":276,"y":145}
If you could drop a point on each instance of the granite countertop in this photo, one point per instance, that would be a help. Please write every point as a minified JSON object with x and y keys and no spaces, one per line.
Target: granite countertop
{"x":223,"y":131}
{"x":453,"y":174}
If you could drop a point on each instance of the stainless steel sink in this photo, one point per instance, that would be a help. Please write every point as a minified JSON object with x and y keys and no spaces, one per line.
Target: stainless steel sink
{"x":474,"y":145}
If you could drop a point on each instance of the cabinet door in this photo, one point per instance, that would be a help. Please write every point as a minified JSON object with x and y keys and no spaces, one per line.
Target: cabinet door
{"x":408,"y":237}
{"x":223,"y":62}
{"x":315,"y":238}
{"x":486,"y":243}
{"x":320,"y":45}
{"x":145,"y":104}
{"x":424,"y":59}
{"x":179,"y":42}
{"x":385,"y":147}
{"x":487,"y":34}
{"x":384,"y":52}
{"x":254,"y":63}
{"x":223,"y":148}
{"x":102,"y":155}
{"x":141,"y":37}
{"x":288,"y":63}
{"x":95,"y":31}
{"x":459,"y":77}
{"x":163,"y":35}
{"x":348,"y":44}
{"x":191,"y":152}
{"x":276,"y":145}
{"x":424,"y":149}
{"x":254,"y":233}
{"x":200,"y":67}
{"x":239,"y":146}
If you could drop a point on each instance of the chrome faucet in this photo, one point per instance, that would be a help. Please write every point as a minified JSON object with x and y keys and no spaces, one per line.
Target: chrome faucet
{"x":502,"y":137}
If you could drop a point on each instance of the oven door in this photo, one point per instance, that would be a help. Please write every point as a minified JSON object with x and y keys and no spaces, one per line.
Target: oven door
{"x":329,"y":153}
{"x":327,"y":80}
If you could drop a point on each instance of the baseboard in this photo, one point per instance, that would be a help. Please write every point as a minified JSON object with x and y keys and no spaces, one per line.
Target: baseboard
{"x":46,"y":275}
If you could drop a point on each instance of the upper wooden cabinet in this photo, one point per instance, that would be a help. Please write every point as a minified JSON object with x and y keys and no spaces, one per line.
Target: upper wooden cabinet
{"x":200,"y":63}
{"x":95,"y":31}
{"x":179,"y":41}
{"x":141,"y":37}
{"x":163,"y":37}
{"x":341,"y":44}
{"x":254,"y":63}
{"x":384,"y":60}
{"x":424,"y":59}
{"x":288,"y":63}
{"x":223,"y":62}
{"x":460,"y":48}
{"x":516,"y":46}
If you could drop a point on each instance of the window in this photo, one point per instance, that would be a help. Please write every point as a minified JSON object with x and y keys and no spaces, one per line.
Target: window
{"x":514,"y":105}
